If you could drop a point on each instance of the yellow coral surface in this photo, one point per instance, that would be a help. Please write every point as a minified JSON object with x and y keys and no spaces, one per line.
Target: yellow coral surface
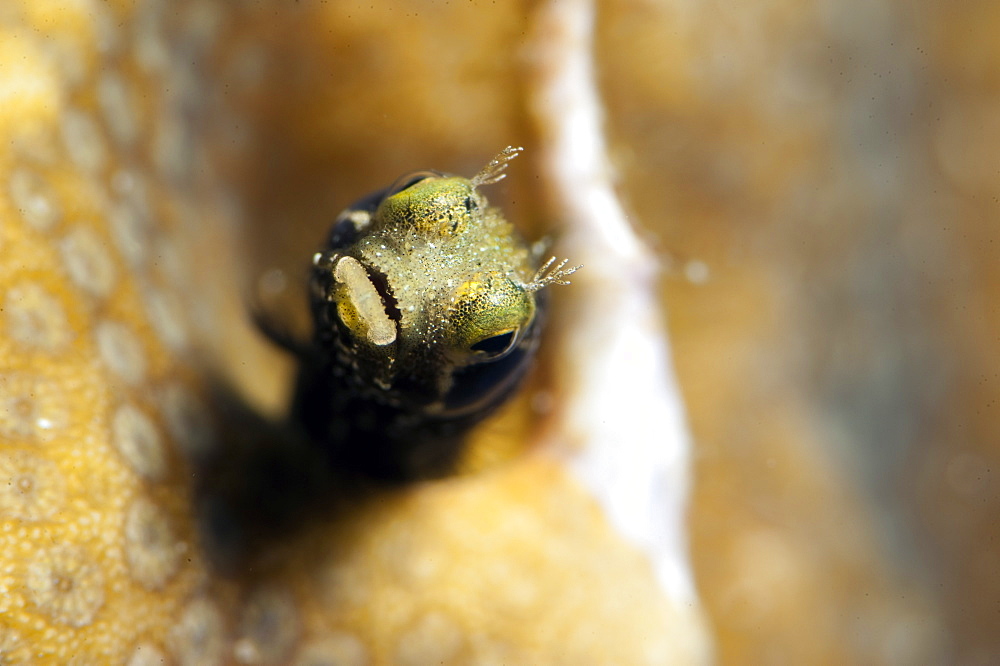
{"x":123,"y":192}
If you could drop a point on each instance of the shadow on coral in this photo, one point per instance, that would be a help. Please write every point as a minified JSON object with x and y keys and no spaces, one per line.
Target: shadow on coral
{"x":264,"y":484}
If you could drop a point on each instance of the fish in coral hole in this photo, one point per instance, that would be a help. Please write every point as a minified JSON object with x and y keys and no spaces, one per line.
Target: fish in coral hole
{"x":427,"y":309}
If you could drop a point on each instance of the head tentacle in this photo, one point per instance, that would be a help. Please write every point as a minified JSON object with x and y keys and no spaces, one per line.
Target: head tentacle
{"x":494,"y":171}
{"x":551,"y":274}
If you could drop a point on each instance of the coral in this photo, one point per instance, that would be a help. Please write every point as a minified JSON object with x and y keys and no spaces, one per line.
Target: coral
{"x":130,"y":217}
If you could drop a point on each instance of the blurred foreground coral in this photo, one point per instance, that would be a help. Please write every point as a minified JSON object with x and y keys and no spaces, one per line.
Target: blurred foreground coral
{"x":824,"y":182}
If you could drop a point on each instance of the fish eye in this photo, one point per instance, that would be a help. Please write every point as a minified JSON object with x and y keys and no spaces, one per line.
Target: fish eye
{"x":409,"y":180}
{"x":488,"y":318}
{"x":496,"y":346}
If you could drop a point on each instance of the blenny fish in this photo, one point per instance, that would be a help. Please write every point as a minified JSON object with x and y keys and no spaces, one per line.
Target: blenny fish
{"x":427,"y":309}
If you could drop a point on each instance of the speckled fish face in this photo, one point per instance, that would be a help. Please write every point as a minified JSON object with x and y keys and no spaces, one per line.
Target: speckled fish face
{"x":428,"y":295}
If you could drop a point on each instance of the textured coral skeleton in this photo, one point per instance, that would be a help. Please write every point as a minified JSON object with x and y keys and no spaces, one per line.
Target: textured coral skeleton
{"x":118,"y":276}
